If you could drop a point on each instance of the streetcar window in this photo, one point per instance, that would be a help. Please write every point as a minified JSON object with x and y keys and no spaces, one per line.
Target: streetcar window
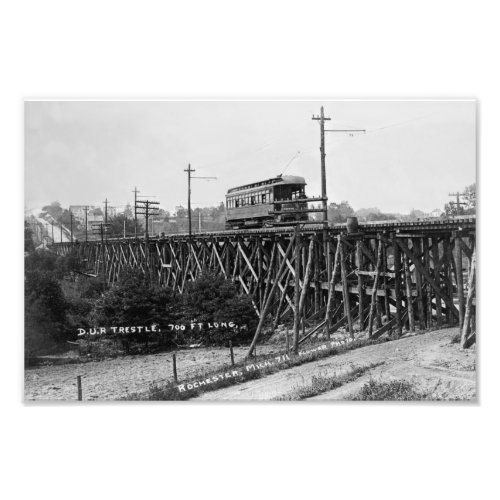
{"x":236,"y":202}
{"x":252,"y":200}
{"x":263,"y":197}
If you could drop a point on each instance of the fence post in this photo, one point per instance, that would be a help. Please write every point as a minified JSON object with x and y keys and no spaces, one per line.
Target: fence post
{"x":79,"y":385}
{"x":174,"y":359}
{"x":232,"y":352}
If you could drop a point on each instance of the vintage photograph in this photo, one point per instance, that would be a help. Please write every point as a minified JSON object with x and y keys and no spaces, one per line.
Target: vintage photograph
{"x":243,"y":250}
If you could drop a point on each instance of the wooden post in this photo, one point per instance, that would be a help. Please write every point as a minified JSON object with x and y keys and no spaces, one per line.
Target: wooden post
{"x":437,"y":279}
{"x":428,"y":288}
{"x":460,"y":280}
{"x":447,"y":276}
{"x":296,"y":315}
{"x":385,"y":267}
{"x":79,"y":386}
{"x":174,"y":360}
{"x":345,"y":288}
{"x":417,"y":250}
{"x":471,"y":288}
{"x":331,"y":291}
{"x":231,"y":352}
{"x":373,"y":303}
{"x":307,"y":276}
{"x":361,"y":298}
{"x":317,"y":285}
{"x":409,"y":297}
{"x":265,"y":307}
{"x":287,"y":341}
{"x":397,"y":285}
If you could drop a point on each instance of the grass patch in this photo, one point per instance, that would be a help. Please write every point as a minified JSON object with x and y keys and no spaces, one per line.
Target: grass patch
{"x":171,"y":392}
{"x":395,"y":390}
{"x":320,"y":384}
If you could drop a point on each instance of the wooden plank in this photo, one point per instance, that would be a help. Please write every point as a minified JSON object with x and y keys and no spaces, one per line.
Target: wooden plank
{"x":460,"y":281}
{"x":265,"y":307}
{"x":397,"y":286}
{"x":345,"y":289}
{"x":361,"y":297}
{"x":471,"y":290}
{"x":409,"y":301}
{"x":417,"y":245}
{"x":375,"y":286}
{"x":448,"y":301}
{"x":390,"y":324}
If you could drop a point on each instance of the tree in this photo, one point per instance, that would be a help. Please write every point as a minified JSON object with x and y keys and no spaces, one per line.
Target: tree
{"x":128,"y":212}
{"x":116,"y":225}
{"x":338,"y":212}
{"x":45,"y":313}
{"x":29,"y":244}
{"x":469,"y":198}
{"x":54,"y":210}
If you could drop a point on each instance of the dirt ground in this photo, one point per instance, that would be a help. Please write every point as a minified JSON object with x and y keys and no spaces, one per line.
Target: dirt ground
{"x":430,"y":360}
{"x":112,"y":379}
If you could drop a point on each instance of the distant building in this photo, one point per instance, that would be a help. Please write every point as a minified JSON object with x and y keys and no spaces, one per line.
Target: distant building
{"x":78,"y":211}
{"x":436,"y":213}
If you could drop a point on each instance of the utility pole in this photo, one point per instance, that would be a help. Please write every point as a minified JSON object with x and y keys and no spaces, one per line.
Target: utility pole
{"x":71,"y":225}
{"x":86,"y":209}
{"x":52,"y":224}
{"x":321,"y":118}
{"x":105,"y":211}
{"x":135,"y":191}
{"x":147,"y":208}
{"x":106,"y":216}
{"x":458,"y":202}
{"x":189,"y":171}
{"x":61,"y":227}
{"x":101,"y":228}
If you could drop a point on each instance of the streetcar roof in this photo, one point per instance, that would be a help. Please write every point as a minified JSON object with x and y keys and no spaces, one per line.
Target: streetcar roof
{"x":281,"y":179}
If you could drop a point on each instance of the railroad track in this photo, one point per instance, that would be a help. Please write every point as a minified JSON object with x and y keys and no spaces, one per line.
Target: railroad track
{"x":456,"y":223}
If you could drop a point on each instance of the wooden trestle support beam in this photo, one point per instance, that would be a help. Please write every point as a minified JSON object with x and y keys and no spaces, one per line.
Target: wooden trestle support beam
{"x":387,"y":279}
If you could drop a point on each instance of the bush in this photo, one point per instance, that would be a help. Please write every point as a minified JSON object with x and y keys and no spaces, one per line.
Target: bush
{"x":213,"y":299}
{"x":135,"y":301}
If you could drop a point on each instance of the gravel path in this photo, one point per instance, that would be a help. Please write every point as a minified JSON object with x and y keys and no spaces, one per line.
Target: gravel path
{"x":113,"y":379}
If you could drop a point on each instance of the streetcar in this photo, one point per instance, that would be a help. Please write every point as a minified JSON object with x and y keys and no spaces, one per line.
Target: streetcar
{"x":266,"y":203}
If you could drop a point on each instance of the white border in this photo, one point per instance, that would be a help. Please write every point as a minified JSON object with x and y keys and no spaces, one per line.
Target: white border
{"x":263,"y":49}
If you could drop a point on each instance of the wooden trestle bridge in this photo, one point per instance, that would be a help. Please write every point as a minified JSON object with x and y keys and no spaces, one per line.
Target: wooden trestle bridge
{"x":384,"y":277}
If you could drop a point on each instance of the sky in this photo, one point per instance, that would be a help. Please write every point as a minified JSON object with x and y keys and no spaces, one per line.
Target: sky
{"x":413,"y":154}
